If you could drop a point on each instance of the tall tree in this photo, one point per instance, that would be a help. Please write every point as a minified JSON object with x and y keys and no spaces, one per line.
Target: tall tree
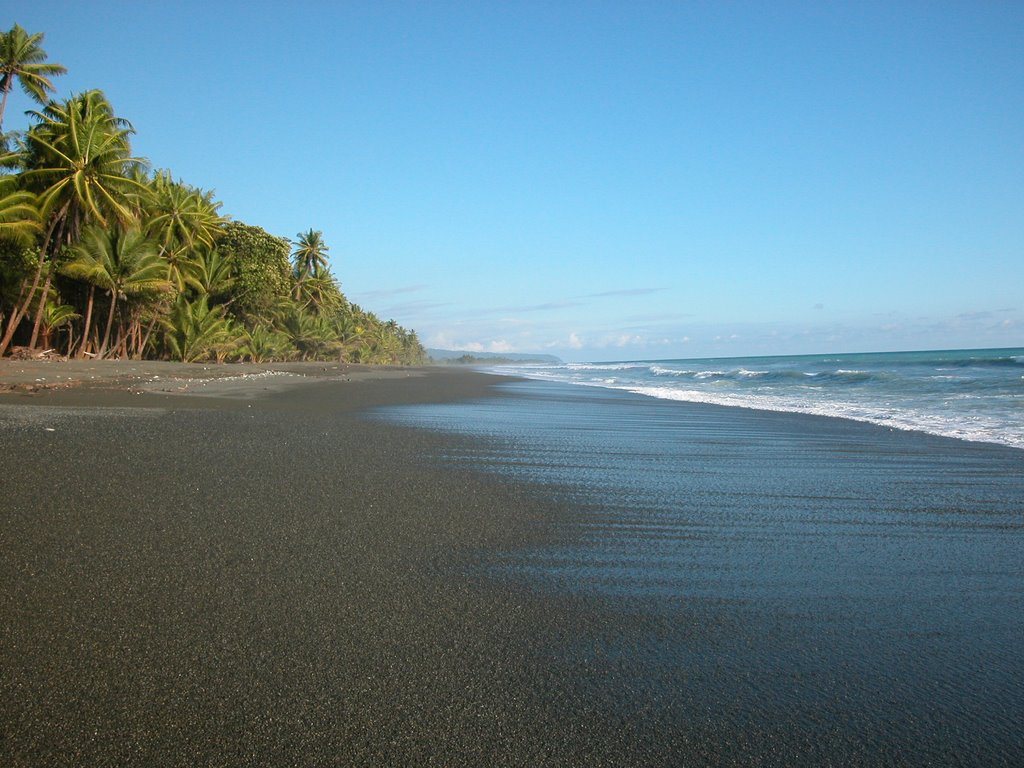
{"x":309,"y":258}
{"x":19,"y":224}
{"x":23,"y":59}
{"x":121,"y":262}
{"x":263,"y":273}
{"x":79,"y":160}
{"x":183,"y":220}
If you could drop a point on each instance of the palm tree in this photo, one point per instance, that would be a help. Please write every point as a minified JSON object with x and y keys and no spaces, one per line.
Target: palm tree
{"x":19,"y":217}
{"x":22,"y":58}
{"x":121,"y":262}
{"x":183,"y":220}
{"x":19,"y":223}
{"x":384,"y":343}
{"x":262,"y":344}
{"x":180,"y":215}
{"x":232,"y":342}
{"x":54,"y":317}
{"x":310,"y":257}
{"x":349,"y":332}
{"x":194,"y":329}
{"x":79,"y":155}
{"x":211,"y":274}
{"x":413,"y":352}
{"x":79,"y":158}
{"x":310,"y":334}
{"x":320,"y":293}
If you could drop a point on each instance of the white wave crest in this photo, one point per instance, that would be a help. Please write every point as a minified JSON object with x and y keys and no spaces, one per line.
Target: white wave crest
{"x":978,"y":428}
{"x":658,"y":370}
{"x":981,"y":415}
{"x":605,"y":366}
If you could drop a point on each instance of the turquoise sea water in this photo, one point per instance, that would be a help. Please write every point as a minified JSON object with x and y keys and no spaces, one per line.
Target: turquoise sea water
{"x":800,"y":590}
{"x":970,"y":394}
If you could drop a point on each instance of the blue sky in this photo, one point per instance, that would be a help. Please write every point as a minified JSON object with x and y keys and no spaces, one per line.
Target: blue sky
{"x":601,"y":180}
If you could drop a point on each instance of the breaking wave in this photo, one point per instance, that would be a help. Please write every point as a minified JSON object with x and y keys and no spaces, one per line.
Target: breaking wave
{"x":970,"y":395}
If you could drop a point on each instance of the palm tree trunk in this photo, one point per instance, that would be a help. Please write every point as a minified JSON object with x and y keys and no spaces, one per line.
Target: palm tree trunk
{"x":42,"y":307}
{"x":124,"y":337}
{"x":110,"y":324}
{"x":136,"y":338}
{"x":3,"y":102}
{"x":122,"y":343}
{"x":88,"y":322}
{"x":145,"y":339}
{"x":12,"y":326}
{"x":131,"y":342}
{"x":13,"y":320}
{"x":23,"y":309}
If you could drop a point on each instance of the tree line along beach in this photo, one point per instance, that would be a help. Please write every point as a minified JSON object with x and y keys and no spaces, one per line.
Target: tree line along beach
{"x":103,"y":256}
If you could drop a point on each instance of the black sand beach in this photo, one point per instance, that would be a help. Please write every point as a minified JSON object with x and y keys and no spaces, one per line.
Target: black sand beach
{"x":270,"y":581}
{"x":258,"y":574}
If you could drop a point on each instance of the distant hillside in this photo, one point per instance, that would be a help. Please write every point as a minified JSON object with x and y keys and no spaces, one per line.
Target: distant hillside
{"x":490,"y":358}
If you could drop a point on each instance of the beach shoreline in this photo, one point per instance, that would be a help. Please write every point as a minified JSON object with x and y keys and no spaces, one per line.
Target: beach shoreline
{"x":162,"y":384}
{"x":268,"y":568}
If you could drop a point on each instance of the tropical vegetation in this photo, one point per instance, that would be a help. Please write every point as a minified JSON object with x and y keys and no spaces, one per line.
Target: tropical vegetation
{"x":102,"y":256}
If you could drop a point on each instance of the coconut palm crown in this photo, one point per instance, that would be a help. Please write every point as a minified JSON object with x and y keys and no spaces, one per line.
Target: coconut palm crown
{"x":310,"y":257}
{"x":23,"y":59}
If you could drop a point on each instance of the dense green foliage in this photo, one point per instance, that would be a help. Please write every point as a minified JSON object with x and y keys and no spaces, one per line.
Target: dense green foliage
{"x":101,"y":257}
{"x":262,"y":268}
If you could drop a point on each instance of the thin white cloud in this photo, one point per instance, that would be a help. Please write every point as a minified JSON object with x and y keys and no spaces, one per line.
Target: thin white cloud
{"x":445,"y":340}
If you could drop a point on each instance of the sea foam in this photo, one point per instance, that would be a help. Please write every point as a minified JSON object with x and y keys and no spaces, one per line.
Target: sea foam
{"x":972,"y":395}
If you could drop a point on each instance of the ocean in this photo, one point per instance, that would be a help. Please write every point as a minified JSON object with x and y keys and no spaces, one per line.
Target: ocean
{"x":973,"y":394}
{"x":804,"y":589}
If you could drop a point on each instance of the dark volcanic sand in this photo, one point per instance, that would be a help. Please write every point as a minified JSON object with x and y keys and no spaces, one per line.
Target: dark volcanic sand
{"x":278,"y":581}
{"x":267,"y":577}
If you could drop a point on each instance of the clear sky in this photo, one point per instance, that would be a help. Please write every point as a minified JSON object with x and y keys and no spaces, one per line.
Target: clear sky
{"x":601,"y":180}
